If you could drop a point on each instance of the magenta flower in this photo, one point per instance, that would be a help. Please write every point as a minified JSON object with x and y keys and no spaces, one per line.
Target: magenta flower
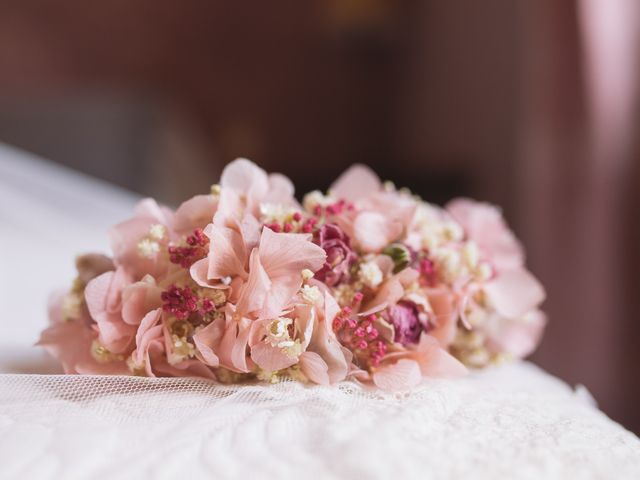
{"x":405,"y":318}
{"x":340,"y":255}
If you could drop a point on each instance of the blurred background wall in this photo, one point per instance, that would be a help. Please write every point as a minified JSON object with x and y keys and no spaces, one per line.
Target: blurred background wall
{"x":529,"y":104}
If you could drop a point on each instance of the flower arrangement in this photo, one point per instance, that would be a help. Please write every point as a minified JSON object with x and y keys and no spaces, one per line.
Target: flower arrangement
{"x":366,"y":282}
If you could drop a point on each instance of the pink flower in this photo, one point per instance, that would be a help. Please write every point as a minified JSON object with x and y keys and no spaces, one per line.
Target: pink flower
{"x":379,"y":217}
{"x":153,"y":350}
{"x":483,"y":223}
{"x":118,"y":307}
{"x":70,"y":341}
{"x":265,"y":284}
{"x":139,"y":244}
{"x":340,"y":255}
{"x":408,"y":322}
{"x":195,"y":213}
{"x":405,"y":369}
{"x":245,"y":187}
{"x":265,"y":277}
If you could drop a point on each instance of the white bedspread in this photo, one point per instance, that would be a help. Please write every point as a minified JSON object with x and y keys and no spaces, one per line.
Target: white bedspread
{"x":510,"y":422}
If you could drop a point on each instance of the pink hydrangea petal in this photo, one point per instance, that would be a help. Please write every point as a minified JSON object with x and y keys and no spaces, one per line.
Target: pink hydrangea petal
{"x":443,"y":306}
{"x":138,"y":299}
{"x":227,"y":253}
{"x":484,"y":224}
{"x":314,"y":368}
{"x":256,"y":289}
{"x":514,"y":292}
{"x":281,"y":191}
{"x":206,"y":340}
{"x":519,"y":337}
{"x":284,"y":256}
{"x":357,"y":182}
{"x":403,"y":374}
{"x":197,"y":212}
{"x":373,"y":231}
{"x":270,"y":358}
{"x":233,"y":345}
{"x":435,"y":362}
{"x":69,"y":341}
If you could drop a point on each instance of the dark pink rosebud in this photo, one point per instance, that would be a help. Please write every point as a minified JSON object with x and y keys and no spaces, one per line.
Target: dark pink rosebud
{"x":405,"y":318}
{"x":340,"y":255}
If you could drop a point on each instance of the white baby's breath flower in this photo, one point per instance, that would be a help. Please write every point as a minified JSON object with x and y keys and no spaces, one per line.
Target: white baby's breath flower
{"x":370,"y":274}
{"x":278,"y":336}
{"x":315,"y":198}
{"x":148,"y":248}
{"x":311,"y":294}
{"x":306,"y":274}
{"x":452,"y":231}
{"x":157,"y":231}
{"x":484,"y":271}
{"x":471,"y":255}
{"x":182,"y":349}
{"x":450,"y":263}
{"x":276,"y":213}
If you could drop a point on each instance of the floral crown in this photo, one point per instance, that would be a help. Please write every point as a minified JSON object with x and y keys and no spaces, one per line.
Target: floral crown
{"x":366,"y":282}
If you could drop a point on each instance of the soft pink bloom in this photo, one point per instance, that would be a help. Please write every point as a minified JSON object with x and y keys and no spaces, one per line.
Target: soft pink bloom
{"x":197,"y":212}
{"x":320,"y":356}
{"x":340,"y":255}
{"x":483,"y":223}
{"x":379,"y":217}
{"x":224,"y":342}
{"x":405,"y":369}
{"x":518,"y":337}
{"x":153,"y":350}
{"x":126,"y":238}
{"x":245,"y":187}
{"x":514,"y":292}
{"x":267,"y":276}
{"x":118,"y":307}
{"x":70,"y":342}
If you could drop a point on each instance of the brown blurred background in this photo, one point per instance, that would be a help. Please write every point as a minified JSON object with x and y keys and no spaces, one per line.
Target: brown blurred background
{"x":529,"y":104}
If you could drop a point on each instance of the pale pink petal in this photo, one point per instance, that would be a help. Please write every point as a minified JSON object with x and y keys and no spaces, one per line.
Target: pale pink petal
{"x":436,"y":362}
{"x":281,"y":191}
{"x":519,"y":337}
{"x":444,"y":308}
{"x":284,"y":256}
{"x":270,"y":358}
{"x":148,"y":330}
{"x":124,"y":239}
{"x":356,"y":183}
{"x":314,"y":368}
{"x":373,"y":231}
{"x":233,"y":345}
{"x":114,"y":334}
{"x":514,"y":292}
{"x":206,"y":340}
{"x":69,"y":342}
{"x":138,"y":299}
{"x":148,"y":208}
{"x":246,"y":178}
{"x":227,"y":253}
{"x":402,"y":375}
{"x":323,"y":342}
{"x":257,"y":288}
{"x":485,"y":225}
{"x":197,"y":212}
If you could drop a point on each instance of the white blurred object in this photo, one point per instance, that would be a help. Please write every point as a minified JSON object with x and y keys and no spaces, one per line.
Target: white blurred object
{"x":510,"y":422}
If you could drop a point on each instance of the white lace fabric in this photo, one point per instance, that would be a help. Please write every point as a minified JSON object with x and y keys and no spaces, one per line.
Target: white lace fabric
{"x":513,"y":421}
